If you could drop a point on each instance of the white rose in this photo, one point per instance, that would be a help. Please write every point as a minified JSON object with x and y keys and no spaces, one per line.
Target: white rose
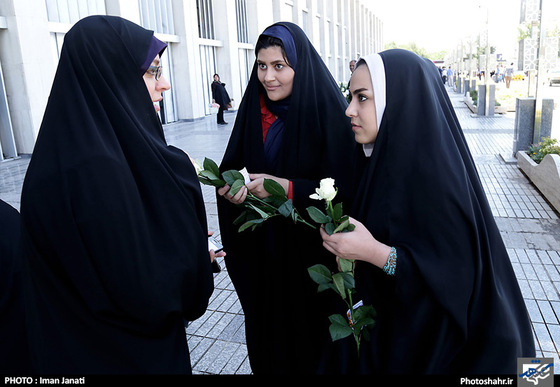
{"x":197,"y":166}
{"x":326,"y":190}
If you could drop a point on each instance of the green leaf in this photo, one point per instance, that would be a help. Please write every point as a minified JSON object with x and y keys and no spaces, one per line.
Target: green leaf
{"x":211,"y":166}
{"x":349,"y":282}
{"x":317,"y":215}
{"x":339,"y":328}
{"x":273,"y":187}
{"x":337,"y":212}
{"x":323,"y":287}
{"x":262,"y":213}
{"x":216,"y":183}
{"x":364,"y":316}
{"x":286,"y":209}
{"x":231,"y":176}
{"x":240,"y":218}
{"x":346,"y":265}
{"x":338,"y":280}
{"x":329,"y":228}
{"x":341,"y":226}
{"x":320,"y":274}
{"x":208,"y":174}
{"x":236,"y":186}
{"x":251,"y":223}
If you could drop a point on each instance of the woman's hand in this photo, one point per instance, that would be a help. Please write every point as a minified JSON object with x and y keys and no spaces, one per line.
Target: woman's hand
{"x":357,"y":245}
{"x":213,"y":254}
{"x":238,"y":198}
{"x":256,"y":186}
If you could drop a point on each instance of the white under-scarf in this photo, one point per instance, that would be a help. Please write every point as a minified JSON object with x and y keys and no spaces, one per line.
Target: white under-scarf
{"x":377,"y":73}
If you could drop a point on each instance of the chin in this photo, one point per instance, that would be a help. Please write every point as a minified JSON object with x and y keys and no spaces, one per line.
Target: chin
{"x":359,"y":139}
{"x":275,"y":97}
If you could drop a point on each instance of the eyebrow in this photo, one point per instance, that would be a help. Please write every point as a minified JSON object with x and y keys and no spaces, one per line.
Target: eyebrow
{"x":359,"y":90}
{"x":273,"y":62}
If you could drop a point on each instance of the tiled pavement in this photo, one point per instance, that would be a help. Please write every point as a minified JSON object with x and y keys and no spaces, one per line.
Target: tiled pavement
{"x":529,"y":226}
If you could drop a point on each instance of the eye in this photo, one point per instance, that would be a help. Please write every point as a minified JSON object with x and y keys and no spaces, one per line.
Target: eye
{"x":362,"y":98}
{"x":279,"y":66}
{"x":262,"y":66}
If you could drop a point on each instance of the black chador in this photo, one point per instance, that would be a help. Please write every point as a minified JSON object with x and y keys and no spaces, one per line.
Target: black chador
{"x":114,"y":225}
{"x":454,"y":305}
{"x":286,"y":320}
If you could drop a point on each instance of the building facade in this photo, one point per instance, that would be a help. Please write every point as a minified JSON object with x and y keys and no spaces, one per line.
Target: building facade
{"x":204,"y":37}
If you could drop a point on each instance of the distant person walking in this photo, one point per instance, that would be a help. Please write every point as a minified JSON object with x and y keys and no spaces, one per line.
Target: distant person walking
{"x":450,"y":76}
{"x":221,"y":97}
{"x":509,"y":75}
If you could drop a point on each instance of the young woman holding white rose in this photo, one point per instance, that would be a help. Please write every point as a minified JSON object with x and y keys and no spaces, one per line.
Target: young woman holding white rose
{"x":430,"y":257}
{"x":290,"y":127}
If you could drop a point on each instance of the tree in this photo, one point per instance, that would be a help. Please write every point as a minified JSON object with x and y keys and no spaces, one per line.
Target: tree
{"x":438,"y":55}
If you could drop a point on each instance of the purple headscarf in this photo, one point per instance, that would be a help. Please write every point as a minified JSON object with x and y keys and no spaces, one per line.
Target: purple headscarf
{"x":156,"y":47}
{"x":282,"y":33}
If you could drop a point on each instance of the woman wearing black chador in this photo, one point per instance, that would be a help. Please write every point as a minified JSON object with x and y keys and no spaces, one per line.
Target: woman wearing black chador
{"x":221,"y":97}
{"x":430,"y":257}
{"x":114,"y":225}
{"x":290,"y":127}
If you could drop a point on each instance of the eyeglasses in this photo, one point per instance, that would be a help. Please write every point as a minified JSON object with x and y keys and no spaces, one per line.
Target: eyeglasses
{"x":155,"y":71}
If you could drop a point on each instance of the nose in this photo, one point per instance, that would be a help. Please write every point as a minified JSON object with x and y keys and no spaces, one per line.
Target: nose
{"x":269,"y":75}
{"x":350,"y":110}
{"x":162,"y":84}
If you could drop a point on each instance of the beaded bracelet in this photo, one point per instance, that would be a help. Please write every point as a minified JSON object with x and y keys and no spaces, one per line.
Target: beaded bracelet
{"x":391,"y":264}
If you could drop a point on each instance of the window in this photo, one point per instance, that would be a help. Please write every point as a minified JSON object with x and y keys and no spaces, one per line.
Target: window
{"x":70,"y":11}
{"x":205,"y":19}
{"x":241,"y":10}
{"x":157,"y":15}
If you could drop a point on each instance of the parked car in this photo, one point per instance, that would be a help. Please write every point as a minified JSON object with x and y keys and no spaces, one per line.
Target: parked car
{"x":554,"y":77}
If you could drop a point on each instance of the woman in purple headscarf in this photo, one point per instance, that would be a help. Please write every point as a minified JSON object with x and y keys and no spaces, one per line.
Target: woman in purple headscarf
{"x":114,"y":226}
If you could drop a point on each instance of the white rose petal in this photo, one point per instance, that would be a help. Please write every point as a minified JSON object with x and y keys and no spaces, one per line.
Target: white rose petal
{"x":326,"y":190}
{"x":197,"y":166}
{"x":245,"y":175}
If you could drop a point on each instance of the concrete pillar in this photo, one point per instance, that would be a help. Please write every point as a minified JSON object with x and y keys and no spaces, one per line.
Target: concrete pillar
{"x":186,"y":61}
{"x":486,"y":100}
{"x":481,"y":100}
{"x":28,"y":66}
{"x":227,"y":56}
{"x":128,"y":9}
{"x":525,"y":122}
{"x":490,"y":100}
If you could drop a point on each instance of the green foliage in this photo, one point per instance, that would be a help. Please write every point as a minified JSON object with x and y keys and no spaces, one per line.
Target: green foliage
{"x":474,"y":96}
{"x":256,"y":210}
{"x":360,"y":318}
{"x":543,"y":148}
{"x":437,"y":55}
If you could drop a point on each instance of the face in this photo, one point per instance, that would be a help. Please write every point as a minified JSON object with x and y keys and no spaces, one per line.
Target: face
{"x":155,"y":87}
{"x":274,"y":73}
{"x":362,"y":106}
